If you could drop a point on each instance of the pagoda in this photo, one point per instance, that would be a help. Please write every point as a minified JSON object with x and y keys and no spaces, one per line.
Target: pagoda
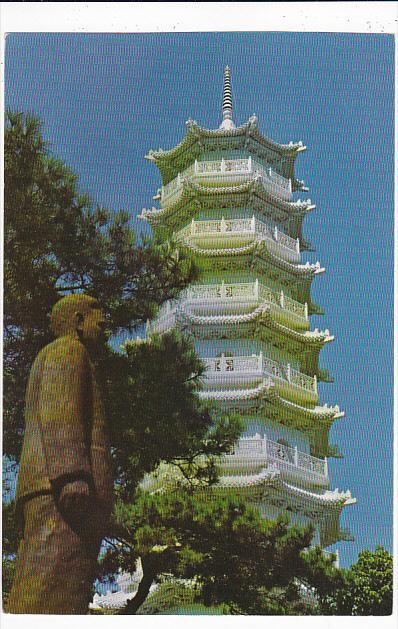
{"x":227,"y":197}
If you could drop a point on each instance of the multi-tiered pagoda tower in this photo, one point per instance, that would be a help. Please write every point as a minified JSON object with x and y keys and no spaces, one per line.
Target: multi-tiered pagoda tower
{"x":227,"y":196}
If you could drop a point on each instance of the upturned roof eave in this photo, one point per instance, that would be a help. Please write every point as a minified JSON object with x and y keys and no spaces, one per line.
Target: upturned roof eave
{"x":270,"y":477}
{"x":195,"y":132}
{"x":264,"y":316}
{"x":266,"y":390}
{"x":254,"y":184}
{"x":299,"y":269}
{"x":191,"y":190}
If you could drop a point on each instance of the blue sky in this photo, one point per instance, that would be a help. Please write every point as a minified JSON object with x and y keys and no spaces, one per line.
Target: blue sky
{"x":105,"y":100}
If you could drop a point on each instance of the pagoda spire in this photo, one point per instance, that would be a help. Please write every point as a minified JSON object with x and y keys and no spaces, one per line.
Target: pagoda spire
{"x":227,"y":122}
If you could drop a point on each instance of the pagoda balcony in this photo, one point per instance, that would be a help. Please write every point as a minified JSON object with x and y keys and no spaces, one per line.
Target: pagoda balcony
{"x":227,"y":172}
{"x":237,"y":372}
{"x":218,"y":300}
{"x":240,"y":298}
{"x":251,"y":454}
{"x":238,"y":232}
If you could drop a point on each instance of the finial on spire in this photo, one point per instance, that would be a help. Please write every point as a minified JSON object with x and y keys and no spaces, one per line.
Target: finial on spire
{"x":227,"y":122}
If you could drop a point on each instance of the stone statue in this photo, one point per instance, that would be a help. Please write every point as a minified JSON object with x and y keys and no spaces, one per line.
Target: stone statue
{"x":65,"y":483}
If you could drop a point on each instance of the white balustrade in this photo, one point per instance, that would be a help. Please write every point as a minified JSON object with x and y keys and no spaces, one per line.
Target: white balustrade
{"x":238,"y":166}
{"x":170,"y":189}
{"x":250,"y":447}
{"x":264,"y":230}
{"x":240,"y":294}
{"x":270,"y":296}
{"x":301,"y":310}
{"x":209,"y":232}
{"x":272,"y":368}
{"x":303,"y":381}
{"x":280,"y":452}
{"x":260,"y":365}
{"x":274,"y":183}
{"x":258,"y":447}
{"x":222,"y":291}
{"x":286,"y":241}
{"x":225,"y":171}
{"x":309,"y":462}
{"x":250,"y":290}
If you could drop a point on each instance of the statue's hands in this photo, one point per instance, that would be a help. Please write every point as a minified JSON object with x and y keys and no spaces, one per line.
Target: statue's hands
{"x":75,"y":501}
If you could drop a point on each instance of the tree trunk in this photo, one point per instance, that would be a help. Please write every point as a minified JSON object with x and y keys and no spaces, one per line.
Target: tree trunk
{"x":149,"y":574}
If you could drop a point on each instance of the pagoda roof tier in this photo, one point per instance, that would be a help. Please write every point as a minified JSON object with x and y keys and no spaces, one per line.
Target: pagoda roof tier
{"x":229,"y":319}
{"x":251,"y":454}
{"x":260,"y":249}
{"x":297,"y":276}
{"x":263,"y":314}
{"x":310,"y":338}
{"x":230,"y":299}
{"x":204,"y":195}
{"x":247,"y":136}
{"x":239,"y":375}
{"x":323,"y":413}
{"x":237,"y":235}
{"x":270,"y":476}
{"x":266,"y":265}
{"x":225,"y":251}
{"x":244,"y":302}
{"x":266,"y":330}
{"x":269,"y":488}
{"x":259,"y":324}
{"x":298,"y":269}
{"x":257,"y":397}
{"x":263,"y":403}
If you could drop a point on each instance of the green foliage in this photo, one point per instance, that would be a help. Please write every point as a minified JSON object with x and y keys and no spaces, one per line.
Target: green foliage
{"x":176,"y":596}
{"x":367,"y":587}
{"x":223,"y":544}
{"x":169,"y":595}
{"x":55,"y":243}
{"x":155,"y":414}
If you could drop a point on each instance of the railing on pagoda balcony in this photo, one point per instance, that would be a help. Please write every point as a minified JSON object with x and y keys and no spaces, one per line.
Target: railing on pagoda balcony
{"x":227,"y":172}
{"x":233,"y":372}
{"x":252,"y":453}
{"x":237,"y":232}
{"x":231,"y":299}
{"x":239,"y":298}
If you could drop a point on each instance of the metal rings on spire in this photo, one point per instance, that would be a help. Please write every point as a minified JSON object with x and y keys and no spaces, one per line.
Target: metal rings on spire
{"x":227,"y":122}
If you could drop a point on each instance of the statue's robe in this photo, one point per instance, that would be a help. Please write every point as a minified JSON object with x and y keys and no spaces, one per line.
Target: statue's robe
{"x":65,"y":440}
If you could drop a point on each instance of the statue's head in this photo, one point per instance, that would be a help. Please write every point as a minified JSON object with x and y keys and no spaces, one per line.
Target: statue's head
{"x":78,"y":314}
